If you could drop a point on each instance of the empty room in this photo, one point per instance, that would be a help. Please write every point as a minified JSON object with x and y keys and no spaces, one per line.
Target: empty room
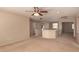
{"x":39,"y":29}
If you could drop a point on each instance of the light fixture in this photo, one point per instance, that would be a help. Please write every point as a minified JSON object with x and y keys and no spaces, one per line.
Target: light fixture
{"x":37,"y":11}
{"x":37,"y":14}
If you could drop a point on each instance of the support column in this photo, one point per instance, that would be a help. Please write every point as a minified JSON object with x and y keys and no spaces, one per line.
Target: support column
{"x":60,"y":28}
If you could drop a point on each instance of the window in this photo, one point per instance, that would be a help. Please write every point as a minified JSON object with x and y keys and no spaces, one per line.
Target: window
{"x":54,"y":25}
{"x":72,"y":26}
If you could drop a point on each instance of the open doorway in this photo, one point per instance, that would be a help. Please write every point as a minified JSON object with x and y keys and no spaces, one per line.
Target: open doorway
{"x":68,"y":28}
{"x":35,"y":28}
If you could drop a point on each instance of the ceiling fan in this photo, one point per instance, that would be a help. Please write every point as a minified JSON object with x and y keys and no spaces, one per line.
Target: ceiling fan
{"x":38,"y":11}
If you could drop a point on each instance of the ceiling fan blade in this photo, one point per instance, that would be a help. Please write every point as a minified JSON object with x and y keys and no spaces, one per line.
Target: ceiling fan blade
{"x":41,"y":10}
{"x":44,"y":11}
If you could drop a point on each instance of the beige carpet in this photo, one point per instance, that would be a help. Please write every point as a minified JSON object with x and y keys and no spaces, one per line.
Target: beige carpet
{"x":64,"y":43}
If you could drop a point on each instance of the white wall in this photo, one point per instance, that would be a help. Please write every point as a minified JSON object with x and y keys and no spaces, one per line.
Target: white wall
{"x":13,"y":28}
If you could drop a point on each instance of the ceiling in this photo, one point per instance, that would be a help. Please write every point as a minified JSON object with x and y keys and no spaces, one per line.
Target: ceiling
{"x":52,"y":11}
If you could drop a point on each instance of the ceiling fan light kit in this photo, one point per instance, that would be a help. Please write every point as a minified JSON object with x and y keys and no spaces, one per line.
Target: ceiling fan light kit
{"x":37,"y":14}
{"x":38,"y":11}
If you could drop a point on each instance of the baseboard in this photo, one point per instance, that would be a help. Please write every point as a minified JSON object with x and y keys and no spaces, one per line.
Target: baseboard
{"x":12,"y":43}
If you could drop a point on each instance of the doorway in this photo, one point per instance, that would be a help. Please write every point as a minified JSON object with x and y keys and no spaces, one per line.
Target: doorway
{"x":68,"y":28}
{"x":35,"y":28}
